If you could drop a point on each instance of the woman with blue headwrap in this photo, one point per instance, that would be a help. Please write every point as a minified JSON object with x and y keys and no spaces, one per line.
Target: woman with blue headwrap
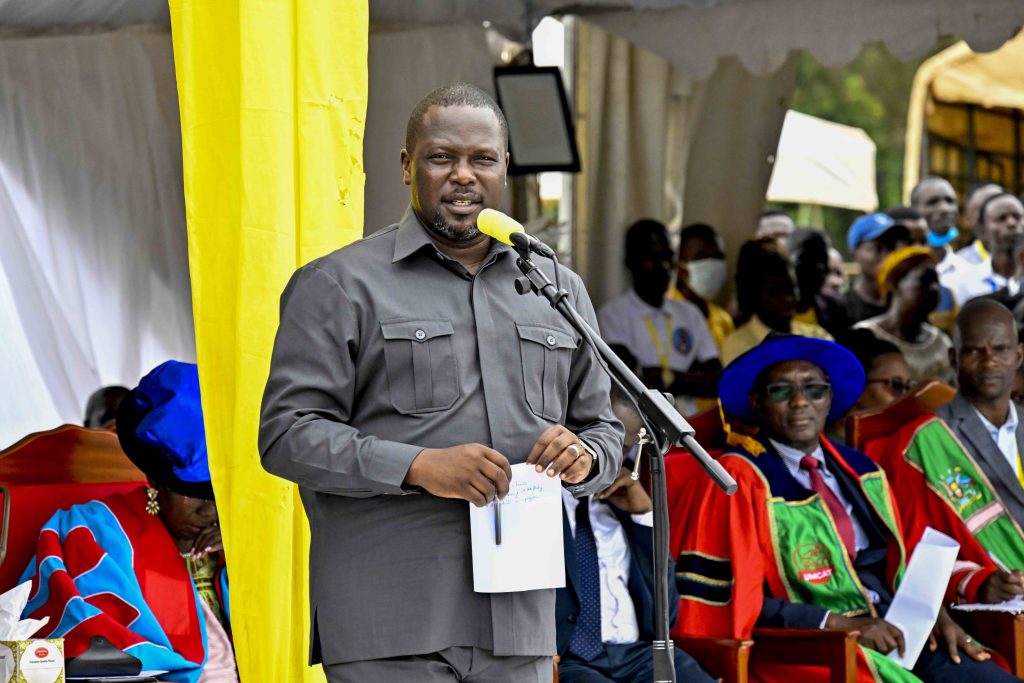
{"x":145,"y":569}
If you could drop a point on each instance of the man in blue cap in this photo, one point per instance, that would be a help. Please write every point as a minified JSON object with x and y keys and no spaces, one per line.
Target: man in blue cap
{"x":812,"y":539}
{"x":871,"y":238}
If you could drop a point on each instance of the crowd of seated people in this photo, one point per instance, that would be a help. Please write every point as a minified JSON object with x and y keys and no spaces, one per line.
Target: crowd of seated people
{"x":794,"y":352}
{"x":915,"y":311}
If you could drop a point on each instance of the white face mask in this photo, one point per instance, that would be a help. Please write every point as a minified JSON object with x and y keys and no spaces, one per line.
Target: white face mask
{"x":707,"y":276}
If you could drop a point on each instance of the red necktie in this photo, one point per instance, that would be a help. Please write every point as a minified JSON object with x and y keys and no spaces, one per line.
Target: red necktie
{"x":844,"y":525}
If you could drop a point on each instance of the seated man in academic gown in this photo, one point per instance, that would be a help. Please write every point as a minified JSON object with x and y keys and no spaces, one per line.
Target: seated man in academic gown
{"x":988,"y":487}
{"x":812,"y":539}
{"x":605,"y":614}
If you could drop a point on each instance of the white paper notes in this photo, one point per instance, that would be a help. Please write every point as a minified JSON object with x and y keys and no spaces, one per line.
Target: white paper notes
{"x":916,"y":605}
{"x":531,"y":555}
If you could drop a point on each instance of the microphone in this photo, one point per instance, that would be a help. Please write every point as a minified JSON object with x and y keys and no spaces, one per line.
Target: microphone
{"x":509,"y":231}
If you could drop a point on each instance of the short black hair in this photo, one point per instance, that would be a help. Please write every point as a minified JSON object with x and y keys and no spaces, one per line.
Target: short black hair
{"x":972,"y":308}
{"x":803,"y":238}
{"x":984,"y":204}
{"x":904,"y":213}
{"x":638,"y":237}
{"x":101,"y":407}
{"x":698,"y":231}
{"x":863,"y":344}
{"x":915,"y":194}
{"x":453,"y":95}
{"x":758,"y":260}
{"x":976,"y":187}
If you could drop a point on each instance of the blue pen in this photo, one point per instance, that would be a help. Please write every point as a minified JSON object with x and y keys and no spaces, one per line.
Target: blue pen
{"x":497,"y":522}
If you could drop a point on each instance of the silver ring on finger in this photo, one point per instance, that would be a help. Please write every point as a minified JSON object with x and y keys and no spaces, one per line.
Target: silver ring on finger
{"x":576,"y":451}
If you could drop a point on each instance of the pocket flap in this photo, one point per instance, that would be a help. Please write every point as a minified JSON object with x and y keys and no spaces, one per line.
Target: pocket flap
{"x":415,"y":330}
{"x":550,"y":337}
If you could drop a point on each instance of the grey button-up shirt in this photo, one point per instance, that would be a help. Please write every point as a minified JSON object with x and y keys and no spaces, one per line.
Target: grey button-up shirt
{"x":387,"y":347}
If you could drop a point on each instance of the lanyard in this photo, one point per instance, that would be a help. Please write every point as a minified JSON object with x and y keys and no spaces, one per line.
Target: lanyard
{"x":981,"y":249}
{"x":667,"y":376}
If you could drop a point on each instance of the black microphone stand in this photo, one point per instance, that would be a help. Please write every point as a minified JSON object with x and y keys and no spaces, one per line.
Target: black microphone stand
{"x":669,"y":428}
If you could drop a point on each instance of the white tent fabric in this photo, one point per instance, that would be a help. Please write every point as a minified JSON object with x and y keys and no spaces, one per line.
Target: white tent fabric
{"x":635,"y":116}
{"x":404,"y":66}
{"x":731,"y":149}
{"x":762,"y":33}
{"x":693,"y":34}
{"x":821,"y":162}
{"x":91,"y":221}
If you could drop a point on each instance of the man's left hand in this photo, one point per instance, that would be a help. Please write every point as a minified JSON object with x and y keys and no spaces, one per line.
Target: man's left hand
{"x":955,"y":638}
{"x":627,"y":495}
{"x":561,"y":453}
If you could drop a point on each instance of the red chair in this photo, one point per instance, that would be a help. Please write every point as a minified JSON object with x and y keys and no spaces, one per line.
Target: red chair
{"x":50,"y":471}
{"x":867,"y":425}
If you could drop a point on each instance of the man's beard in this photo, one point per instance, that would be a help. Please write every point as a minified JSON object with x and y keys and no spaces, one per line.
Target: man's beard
{"x":439,"y":226}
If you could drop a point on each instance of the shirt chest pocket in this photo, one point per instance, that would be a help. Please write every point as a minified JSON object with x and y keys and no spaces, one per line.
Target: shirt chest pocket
{"x":422,"y":374}
{"x":547,"y":356}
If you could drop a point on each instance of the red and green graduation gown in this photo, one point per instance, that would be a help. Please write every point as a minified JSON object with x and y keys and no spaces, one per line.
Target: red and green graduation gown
{"x":938,"y":483}
{"x":770,"y":543}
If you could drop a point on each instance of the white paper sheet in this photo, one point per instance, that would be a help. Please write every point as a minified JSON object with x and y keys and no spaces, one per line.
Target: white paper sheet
{"x":12,"y":604}
{"x":916,"y":605}
{"x":531,"y":554}
{"x":1014,"y":606}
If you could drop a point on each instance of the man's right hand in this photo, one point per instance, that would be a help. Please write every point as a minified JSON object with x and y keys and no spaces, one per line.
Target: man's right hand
{"x":471,"y":472}
{"x":1002,"y":586}
{"x":875,"y":632}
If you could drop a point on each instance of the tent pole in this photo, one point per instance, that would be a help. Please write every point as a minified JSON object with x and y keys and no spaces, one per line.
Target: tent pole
{"x":972,"y":161}
{"x":1017,"y":186}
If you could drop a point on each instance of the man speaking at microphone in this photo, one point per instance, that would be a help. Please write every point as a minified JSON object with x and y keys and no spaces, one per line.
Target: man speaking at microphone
{"x":407,"y":376}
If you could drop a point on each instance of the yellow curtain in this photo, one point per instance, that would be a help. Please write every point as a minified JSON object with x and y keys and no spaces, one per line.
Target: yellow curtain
{"x":273,"y":101}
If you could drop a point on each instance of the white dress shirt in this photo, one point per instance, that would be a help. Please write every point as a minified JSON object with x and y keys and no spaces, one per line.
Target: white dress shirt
{"x":618,"y":616}
{"x":1005,"y":437}
{"x":792,"y":457}
{"x":678,"y":331}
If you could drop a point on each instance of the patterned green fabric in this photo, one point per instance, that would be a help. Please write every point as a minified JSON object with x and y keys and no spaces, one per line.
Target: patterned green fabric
{"x":951,"y":472}
{"x":812,"y":559}
{"x":885,"y":669}
{"x":204,"y":576}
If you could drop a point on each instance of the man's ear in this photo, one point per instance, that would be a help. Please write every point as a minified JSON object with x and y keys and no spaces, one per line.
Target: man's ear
{"x":406,"y":167}
{"x":754,"y":397}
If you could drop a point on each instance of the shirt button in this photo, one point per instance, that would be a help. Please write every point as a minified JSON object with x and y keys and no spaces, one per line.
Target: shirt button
{"x":551,"y":340}
{"x":420,"y":334}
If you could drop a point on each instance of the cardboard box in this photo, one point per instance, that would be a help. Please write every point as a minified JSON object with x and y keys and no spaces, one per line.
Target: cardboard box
{"x":32,"y":661}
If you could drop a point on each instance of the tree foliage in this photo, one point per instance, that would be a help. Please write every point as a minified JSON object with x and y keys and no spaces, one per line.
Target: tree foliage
{"x":871,"y":92}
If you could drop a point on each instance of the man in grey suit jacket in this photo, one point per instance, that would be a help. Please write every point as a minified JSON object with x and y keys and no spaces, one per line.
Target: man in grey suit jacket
{"x":985,"y":356}
{"x":407,"y":377}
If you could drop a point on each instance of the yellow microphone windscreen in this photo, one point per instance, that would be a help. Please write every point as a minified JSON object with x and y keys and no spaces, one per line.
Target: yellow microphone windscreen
{"x":497,"y":225}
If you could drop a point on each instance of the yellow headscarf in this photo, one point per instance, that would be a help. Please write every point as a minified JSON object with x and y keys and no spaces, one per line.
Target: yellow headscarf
{"x":899,"y":263}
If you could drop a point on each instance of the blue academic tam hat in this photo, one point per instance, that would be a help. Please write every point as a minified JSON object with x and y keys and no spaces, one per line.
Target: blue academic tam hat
{"x":869,"y":227}
{"x":160,"y":426}
{"x":844,"y":372}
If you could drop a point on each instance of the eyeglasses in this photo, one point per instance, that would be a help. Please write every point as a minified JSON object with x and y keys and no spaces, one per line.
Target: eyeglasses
{"x":783,"y":391}
{"x":896,"y":385}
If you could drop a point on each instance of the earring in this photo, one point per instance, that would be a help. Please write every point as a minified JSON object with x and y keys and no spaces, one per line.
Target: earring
{"x":152,"y":507}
